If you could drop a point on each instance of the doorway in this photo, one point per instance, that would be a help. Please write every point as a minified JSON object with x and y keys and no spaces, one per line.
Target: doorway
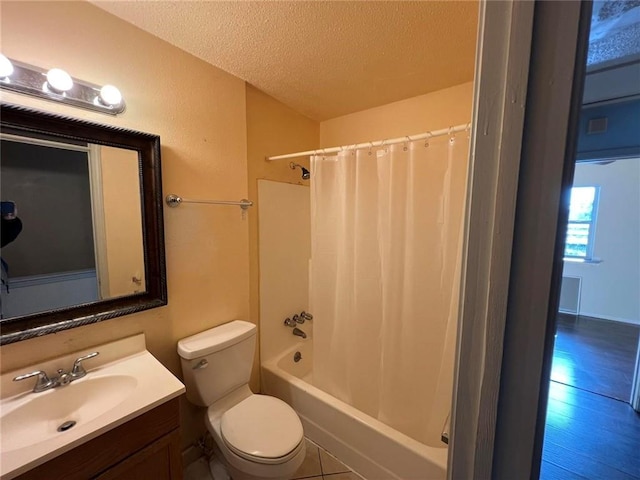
{"x":510,"y":392}
{"x":592,"y":430}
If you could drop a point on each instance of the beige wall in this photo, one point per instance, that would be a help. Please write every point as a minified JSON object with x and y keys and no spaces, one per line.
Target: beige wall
{"x":272,"y":129}
{"x":122,"y":245}
{"x":199,"y":113}
{"x":433,"y":111}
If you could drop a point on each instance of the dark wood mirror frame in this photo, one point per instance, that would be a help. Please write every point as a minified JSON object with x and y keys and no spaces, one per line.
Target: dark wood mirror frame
{"x":25,"y":121}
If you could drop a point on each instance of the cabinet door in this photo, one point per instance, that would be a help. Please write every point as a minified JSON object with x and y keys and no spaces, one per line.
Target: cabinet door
{"x":159,"y":461}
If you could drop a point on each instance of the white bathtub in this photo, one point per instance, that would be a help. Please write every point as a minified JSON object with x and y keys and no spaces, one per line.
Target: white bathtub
{"x":365,"y":444}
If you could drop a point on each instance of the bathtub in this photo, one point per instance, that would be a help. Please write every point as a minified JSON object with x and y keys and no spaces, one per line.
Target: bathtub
{"x":371,"y":448}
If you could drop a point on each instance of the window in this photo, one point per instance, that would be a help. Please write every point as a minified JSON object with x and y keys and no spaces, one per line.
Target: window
{"x":582,"y":223}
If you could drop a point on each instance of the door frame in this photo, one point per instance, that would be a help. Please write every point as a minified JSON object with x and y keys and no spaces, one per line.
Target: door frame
{"x":635,"y":387}
{"x":529,"y":76}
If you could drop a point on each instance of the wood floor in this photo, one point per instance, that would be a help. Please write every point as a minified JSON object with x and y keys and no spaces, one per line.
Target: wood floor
{"x":590,"y":435}
{"x":595,"y":355}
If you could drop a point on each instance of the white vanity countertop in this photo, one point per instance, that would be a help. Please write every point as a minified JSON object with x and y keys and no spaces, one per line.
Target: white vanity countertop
{"x":132,"y":380}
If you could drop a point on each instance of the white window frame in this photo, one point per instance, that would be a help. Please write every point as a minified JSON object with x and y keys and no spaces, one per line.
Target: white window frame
{"x":588,"y":257}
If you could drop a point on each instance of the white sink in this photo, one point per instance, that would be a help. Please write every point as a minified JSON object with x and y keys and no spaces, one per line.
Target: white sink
{"x":123,"y":382}
{"x":39,"y":417}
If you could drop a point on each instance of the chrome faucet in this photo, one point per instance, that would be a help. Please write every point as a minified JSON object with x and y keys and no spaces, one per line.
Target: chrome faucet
{"x":299,"y":333}
{"x":43,"y":382}
{"x":302,"y":317}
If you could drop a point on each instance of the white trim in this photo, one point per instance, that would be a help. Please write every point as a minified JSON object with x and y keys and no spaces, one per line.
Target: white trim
{"x":44,"y":279}
{"x":546,"y":162}
{"x":502,"y":68}
{"x":610,"y":318}
{"x":191,"y":454}
{"x":43,"y":143}
{"x":98,"y":220}
{"x":635,"y":386}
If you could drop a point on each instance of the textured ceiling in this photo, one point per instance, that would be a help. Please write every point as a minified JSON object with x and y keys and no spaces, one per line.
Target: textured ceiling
{"x":322,"y":58}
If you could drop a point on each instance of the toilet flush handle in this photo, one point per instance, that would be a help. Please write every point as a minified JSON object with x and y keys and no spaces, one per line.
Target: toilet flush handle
{"x":201,"y":364}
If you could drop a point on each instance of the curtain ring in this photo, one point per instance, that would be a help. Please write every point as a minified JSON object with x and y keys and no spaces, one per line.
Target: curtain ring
{"x":406,"y":146}
{"x":426,"y":140}
{"x":451,"y":136}
{"x":370,"y":147}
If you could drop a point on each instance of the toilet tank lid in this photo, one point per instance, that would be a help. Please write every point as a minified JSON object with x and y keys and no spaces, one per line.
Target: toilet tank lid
{"x":215,"y":339}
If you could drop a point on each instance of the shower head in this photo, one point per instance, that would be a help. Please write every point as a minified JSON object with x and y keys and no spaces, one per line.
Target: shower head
{"x":306,"y":174}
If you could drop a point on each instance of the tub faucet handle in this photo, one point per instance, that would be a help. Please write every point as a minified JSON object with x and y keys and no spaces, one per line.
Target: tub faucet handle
{"x":290,"y":322}
{"x":298,"y":319}
{"x":306,"y":316}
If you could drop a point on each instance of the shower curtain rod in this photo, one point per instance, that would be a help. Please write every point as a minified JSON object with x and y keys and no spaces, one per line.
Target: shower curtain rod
{"x":376,"y":144}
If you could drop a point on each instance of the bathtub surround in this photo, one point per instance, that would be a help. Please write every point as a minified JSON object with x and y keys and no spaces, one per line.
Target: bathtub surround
{"x":365,"y":443}
{"x":285,"y":249}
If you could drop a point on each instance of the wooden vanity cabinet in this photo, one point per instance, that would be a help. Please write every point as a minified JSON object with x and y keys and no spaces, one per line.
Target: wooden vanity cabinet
{"x":146,"y":447}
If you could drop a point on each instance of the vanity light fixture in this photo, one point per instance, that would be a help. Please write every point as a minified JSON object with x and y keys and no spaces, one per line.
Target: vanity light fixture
{"x":110,"y":96}
{"x":6,"y":67}
{"x":58,"y":86}
{"x":58,"y":81}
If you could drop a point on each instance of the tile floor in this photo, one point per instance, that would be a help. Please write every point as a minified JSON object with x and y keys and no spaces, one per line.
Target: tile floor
{"x":318,"y":465}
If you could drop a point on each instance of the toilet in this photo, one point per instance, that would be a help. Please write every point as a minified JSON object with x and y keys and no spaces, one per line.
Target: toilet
{"x":255,"y":436}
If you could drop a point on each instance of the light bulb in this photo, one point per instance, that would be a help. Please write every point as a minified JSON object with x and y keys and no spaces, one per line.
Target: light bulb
{"x":59,"y":80}
{"x":110,"y":96}
{"x":6,"y":67}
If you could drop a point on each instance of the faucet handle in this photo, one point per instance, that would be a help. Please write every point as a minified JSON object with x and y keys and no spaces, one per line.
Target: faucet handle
{"x":306,"y":316}
{"x":298,"y":319}
{"x":78,"y":370}
{"x":290,"y":322}
{"x":42,"y":383}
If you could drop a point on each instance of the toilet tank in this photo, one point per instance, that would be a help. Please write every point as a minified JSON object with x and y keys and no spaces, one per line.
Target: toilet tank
{"x":217,"y":361}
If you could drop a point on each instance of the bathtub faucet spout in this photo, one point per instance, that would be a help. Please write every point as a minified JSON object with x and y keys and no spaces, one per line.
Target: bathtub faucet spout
{"x":299,"y":333}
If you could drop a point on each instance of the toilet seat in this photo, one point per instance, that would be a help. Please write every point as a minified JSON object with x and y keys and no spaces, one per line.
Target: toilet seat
{"x":262,"y":429}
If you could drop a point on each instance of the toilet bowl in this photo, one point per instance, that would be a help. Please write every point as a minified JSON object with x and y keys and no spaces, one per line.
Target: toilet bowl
{"x":255,"y":436}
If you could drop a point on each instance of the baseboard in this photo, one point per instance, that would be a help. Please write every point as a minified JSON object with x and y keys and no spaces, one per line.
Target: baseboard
{"x":609,"y":317}
{"x":190,"y":455}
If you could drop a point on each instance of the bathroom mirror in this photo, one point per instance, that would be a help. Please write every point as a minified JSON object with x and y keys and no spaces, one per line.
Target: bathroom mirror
{"x":82,"y":230}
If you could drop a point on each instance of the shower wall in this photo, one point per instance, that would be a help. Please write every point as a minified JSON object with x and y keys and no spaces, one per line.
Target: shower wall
{"x":285,"y":249}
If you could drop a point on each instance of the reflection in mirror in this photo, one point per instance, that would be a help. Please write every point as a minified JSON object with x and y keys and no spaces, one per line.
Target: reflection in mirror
{"x":82,"y":229}
{"x":81,"y":237}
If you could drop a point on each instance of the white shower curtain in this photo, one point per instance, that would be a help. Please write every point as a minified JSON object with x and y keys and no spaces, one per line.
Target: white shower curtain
{"x":386,"y":246}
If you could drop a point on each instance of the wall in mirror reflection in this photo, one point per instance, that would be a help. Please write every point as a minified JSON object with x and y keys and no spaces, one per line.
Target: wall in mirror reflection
{"x":81,"y":239}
